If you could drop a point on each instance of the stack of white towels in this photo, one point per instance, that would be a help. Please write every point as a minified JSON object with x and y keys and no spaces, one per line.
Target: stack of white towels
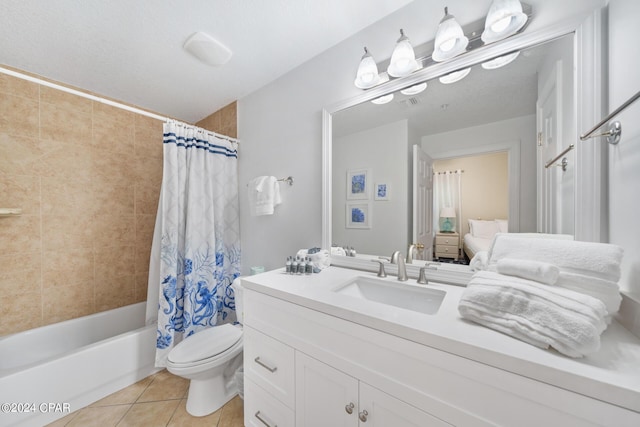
{"x":546,"y":291}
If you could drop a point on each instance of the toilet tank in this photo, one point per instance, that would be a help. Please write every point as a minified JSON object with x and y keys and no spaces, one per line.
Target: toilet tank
{"x":238,"y":292}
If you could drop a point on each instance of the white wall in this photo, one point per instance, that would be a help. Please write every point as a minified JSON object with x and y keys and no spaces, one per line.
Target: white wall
{"x":383,"y":150}
{"x":624,"y":158}
{"x":280,"y":125}
{"x":521,"y":129}
{"x":564,"y":200}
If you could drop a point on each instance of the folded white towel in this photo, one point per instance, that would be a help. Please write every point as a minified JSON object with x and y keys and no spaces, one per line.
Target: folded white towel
{"x":264,"y":195}
{"x":320,"y":260}
{"x":338,"y":251}
{"x":599,"y":259}
{"x":542,"y":272}
{"x":479,"y":261}
{"x":605,"y":290}
{"x":540,"y":315}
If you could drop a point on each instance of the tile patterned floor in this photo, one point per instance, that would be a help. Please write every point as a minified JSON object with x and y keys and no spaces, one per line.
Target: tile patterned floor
{"x":156,"y":401}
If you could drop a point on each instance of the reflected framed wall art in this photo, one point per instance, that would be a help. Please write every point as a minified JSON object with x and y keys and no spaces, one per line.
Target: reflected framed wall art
{"x":381,"y":191}
{"x":359,"y":184}
{"x":358,"y":215}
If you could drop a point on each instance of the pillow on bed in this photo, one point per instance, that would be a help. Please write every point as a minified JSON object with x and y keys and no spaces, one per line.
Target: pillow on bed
{"x":483,"y":229}
{"x":503,"y":225}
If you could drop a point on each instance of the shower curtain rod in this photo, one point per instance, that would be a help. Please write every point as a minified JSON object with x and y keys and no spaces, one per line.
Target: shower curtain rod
{"x":106,"y":101}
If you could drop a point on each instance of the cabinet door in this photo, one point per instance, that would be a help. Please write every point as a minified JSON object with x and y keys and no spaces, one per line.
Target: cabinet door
{"x":383,"y":410}
{"x":262,"y":409}
{"x":324,"y":396}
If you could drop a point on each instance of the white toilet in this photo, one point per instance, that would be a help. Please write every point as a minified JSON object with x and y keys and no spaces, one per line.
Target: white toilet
{"x":209,"y":359}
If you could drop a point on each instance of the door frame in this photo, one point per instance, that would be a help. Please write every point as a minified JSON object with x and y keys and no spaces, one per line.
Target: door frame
{"x":513,"y":166}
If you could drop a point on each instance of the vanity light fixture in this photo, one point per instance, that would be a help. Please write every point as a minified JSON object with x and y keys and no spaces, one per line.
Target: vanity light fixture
{"x":505,"y":18}
{"x":450,"y":40}
{"x":367,"y":76}
{"x":403,"y":58}
{"x":456,"y":76}
{"x":383,"y":99}
{"x":500,"y":61}
{"x":415,"y":89}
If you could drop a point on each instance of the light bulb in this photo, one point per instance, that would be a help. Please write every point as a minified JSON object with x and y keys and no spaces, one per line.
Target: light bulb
{"x":383,"y":99}
{"x":505,"y":18}
{"x":501,"y":24}
{"x":447,"y":45}
{"x":415,"y":89}
{"x":450,"y":41}
{"x":500,"y":61}
{"x":367,"y":75}
{"x":456,"y":76}
{"x":403,"y":58}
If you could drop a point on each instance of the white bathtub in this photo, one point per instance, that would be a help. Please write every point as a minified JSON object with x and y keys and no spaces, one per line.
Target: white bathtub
{"x":47,"y":372}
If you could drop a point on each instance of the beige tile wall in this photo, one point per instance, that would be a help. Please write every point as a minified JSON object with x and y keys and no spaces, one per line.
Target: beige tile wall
{"x":224,"y":121}
{"x":87,"y":177}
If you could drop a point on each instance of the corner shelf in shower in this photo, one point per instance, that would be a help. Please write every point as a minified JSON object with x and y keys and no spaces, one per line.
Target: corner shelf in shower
{"x":10,"y":211}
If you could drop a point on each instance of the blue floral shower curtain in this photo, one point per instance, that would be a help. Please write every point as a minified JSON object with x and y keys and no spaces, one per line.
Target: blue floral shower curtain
{"x":196,"y":247}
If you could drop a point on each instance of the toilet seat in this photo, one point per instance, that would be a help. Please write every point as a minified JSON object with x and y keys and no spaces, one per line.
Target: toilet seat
{"x":205,"y":346}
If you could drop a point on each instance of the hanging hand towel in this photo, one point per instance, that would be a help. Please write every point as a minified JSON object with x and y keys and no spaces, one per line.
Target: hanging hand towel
{"x":264,"y":195}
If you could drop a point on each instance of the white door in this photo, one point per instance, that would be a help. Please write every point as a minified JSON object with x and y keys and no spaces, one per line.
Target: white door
{"x":422,"y":203}
{"x":324,"y":396}
{"x":549,"y":108}
{"x":383,"y":410}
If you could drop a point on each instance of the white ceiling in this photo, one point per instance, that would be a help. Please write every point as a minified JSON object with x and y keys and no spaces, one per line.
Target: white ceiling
{"x":132,"y":50}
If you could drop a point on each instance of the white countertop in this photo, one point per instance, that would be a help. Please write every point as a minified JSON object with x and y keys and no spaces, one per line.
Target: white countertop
{"x":611,"y":375}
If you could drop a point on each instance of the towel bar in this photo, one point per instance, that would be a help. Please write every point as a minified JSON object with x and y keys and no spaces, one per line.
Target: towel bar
{"x":564,"y":162}
{"x":615,"y":129}
{"x":288,"y":180}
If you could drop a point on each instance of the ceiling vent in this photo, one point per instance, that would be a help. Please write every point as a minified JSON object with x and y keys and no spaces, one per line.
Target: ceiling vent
{"x":409,"y":102}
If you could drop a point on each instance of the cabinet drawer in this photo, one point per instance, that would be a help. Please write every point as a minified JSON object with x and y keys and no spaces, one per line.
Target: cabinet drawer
{"x":270,"y":364}
{"x":446,"y":251}
{"x":447,"y":240}
{"x":261,"y":409}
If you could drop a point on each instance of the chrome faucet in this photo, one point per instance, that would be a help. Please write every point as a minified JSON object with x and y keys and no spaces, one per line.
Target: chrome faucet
{"x":410,"y":254}
{"x":396,"y":258}
{"x":402,"y":269}
{"x":381,"y":272}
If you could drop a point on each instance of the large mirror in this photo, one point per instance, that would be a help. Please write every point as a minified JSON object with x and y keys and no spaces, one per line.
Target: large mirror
{"x":499,"y":126}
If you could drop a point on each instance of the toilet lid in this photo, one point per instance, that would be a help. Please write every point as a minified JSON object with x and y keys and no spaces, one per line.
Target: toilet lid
{"x":205,"y":344}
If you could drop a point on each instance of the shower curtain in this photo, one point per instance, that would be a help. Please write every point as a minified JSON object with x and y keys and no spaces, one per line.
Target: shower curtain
{"x":446,"y":193}
{"x":195,"y":253}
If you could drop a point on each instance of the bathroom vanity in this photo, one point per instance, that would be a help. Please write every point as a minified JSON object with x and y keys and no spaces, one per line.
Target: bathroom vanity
{"x":321,"y":351}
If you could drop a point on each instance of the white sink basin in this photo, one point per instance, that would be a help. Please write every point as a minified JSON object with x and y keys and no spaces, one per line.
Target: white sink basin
{"x":398,"y":294}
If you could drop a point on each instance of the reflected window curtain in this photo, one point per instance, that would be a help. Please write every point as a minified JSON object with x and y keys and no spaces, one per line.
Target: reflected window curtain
{"x":196,"y":245}
{"x":446,"y":193}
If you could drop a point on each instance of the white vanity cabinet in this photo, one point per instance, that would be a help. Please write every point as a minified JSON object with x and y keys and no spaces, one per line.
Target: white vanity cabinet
{"x":328,"y":397}
{"x":323,"y":363}
{"x":269,"y":380}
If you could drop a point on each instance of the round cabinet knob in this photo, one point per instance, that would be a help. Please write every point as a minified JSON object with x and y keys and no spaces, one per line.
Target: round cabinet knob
{"x":349,"y":408}
{"x":363,"y":416}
